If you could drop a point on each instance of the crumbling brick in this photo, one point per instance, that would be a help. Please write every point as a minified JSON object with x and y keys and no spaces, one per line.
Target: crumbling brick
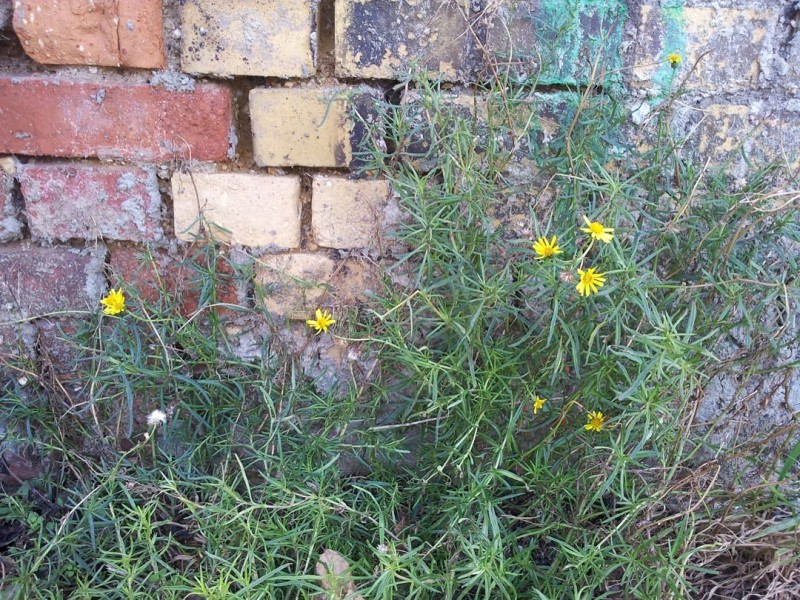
{"x":10,"y":226}
{"x":556,"y":42}
{"x":72,"y":201}
{"x":295,"y":285}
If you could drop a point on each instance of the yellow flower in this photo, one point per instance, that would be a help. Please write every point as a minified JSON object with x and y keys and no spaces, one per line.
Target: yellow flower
{"x":597,"y":231}
{"x":114,"y":303}
{"x":591,"y":281}
{"x":674,"y":59}
{"x":538,"y":404}
{"x":544,"y":248}
{"x":322,"y":322}
{"x":596,"y":420}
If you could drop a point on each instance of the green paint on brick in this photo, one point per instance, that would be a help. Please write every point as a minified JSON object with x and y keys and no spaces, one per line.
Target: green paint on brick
{"x":673,"y":39}
{"x":561,"y":38}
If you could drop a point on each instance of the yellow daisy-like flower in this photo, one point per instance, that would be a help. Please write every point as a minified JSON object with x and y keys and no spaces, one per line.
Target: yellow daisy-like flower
{"x":597,"y":231}
{"x":544,"y":248}
{"x":596,"y":420}
{"x":538,"y":403}
{"x":322,"y":322}
{"x":674,"y":59}
{"x":591,"y":281}
{"x":114,"y":303}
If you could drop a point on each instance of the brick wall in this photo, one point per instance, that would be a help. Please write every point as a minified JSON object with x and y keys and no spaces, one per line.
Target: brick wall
{"x":123,"y":121}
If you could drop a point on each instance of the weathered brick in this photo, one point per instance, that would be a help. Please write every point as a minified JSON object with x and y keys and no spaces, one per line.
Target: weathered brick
{"x":44,"y":116}
{"x":6,"y":11}
{"x":350,"y":213}
{"x":530,"y":121}
{"x":377,"y":39}
{"x":6,"y":186}
{"x":726,"y":43}
{"x":241,"y":208}
{"x":157,"y":274}
{"x":295,"y":285}
{"x":17,"y":338}
{"x":762,"y":132}
{"x":110,"y":33}
{"x":10,"y":227}
{"x":416,"y":137}
{"x":270,"y":38}
{"x":42,"y":280}
{"x":556,"y":42}
{"x":10,"y":338}
{"x":55,"y":346}
{"x":67,"y":201}
{"x":784,"y":67}
{"x":305,"y":127}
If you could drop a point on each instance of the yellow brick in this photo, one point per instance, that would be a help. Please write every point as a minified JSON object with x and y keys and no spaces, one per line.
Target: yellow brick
{"x":248,"y":37}
{"x":736,"y":41}
{"x":305,"y":127}
{"x":725,"y":132}
{"x":239,"y":208}
{"x":728,"y":129}
{"x":348,"y":214}
{"x":727,"y":42}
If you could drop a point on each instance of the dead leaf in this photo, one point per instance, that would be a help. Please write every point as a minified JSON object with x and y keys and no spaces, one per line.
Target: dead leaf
{"x":333,"y":569}
{"x":18,"y":469}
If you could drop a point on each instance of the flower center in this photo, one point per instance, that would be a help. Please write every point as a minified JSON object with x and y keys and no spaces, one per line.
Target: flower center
{"x":596,"y":228}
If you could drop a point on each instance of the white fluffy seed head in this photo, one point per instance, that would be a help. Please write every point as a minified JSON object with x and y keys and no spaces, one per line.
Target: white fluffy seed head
{"x":157,"y":417}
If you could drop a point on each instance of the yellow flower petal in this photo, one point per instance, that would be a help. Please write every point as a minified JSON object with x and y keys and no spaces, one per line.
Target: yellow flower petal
{"x":545,"y":248}
{"x":596,"y":420}
{"x":597,"y":231}
{"x":590,"y":281}
{"x":114,"y":302}
{"x":323,"y":320}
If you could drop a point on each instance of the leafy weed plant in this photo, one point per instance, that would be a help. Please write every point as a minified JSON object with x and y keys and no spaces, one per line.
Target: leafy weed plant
{"x":524,"y":438}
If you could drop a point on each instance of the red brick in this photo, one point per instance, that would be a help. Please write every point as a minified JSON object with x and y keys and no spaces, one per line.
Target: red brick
{"x":109,"y":33}
{"x":42,"y":280}
{"x":65,"y":201}
{"x":43,"y":116}
{"x":141,"y":34}
{"x":159,"y":273}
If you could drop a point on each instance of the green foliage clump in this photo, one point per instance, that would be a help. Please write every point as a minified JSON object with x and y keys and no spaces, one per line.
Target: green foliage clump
{"x":466,"y":468}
